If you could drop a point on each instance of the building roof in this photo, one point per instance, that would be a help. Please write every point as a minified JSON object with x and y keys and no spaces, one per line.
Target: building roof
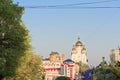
{"x":68,"y":60}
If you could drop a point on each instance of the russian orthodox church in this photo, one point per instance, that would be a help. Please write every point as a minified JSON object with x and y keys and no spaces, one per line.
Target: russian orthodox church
{"x":79,"y":53}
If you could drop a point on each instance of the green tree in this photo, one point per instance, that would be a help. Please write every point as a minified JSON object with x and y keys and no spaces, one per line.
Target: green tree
{"x":14,"y":40}
{"x":32,"y":70}
{"x":104,"y":72}
{"x":116,"y":70}
{"x":62,"y":78}
{"x":103,"y":64}
{"x":118,"y":64}
{"x":15,"y":53}
{"x":83,"y":67}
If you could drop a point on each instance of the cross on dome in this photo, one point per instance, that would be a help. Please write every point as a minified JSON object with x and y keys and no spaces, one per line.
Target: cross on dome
{"x":78,"y":38}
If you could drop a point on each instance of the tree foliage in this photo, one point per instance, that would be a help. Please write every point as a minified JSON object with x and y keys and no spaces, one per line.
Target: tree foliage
{"x":32,"y":70}
{"x":116,"y":69}
{"x":118,"y":64}
{"x":104,"y":72}
{"x":13,"y":37}
{"x":15,"y":54}
{"x":82,"y":67}
{"x":62,"y":78}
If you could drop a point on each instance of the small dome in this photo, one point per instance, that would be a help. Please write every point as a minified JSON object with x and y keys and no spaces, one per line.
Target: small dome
{"x":68,"y":60}
{"x":73,"y":49}
{"x":84,"y":48}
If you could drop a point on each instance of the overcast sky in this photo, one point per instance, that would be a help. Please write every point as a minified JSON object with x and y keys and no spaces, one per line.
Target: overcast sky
{"x":58,"y":29}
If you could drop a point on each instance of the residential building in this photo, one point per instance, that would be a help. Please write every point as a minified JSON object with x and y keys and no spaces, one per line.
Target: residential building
{"x":115,"y":55}
{"x":52,"y":69}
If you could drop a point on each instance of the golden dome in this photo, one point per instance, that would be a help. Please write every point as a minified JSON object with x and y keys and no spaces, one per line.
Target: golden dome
{"x":73,"y":49}
{"x":78,"y":43}
{"x":84,"y":48}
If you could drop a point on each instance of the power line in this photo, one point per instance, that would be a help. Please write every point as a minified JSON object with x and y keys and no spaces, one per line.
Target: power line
{"x":100,"y":7}
{"x":70,"y":5}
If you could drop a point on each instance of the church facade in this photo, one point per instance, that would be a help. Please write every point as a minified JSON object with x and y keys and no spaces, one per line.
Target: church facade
{"x":79,"y":53}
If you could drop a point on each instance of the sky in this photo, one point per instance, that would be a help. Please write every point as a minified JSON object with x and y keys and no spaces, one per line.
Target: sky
{"x":57,"y":29}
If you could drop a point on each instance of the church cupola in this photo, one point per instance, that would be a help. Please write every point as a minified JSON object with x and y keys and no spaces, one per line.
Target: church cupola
{"x":84,"y":50}
{"x":78,"y":43}
{"x":74,"y":50}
